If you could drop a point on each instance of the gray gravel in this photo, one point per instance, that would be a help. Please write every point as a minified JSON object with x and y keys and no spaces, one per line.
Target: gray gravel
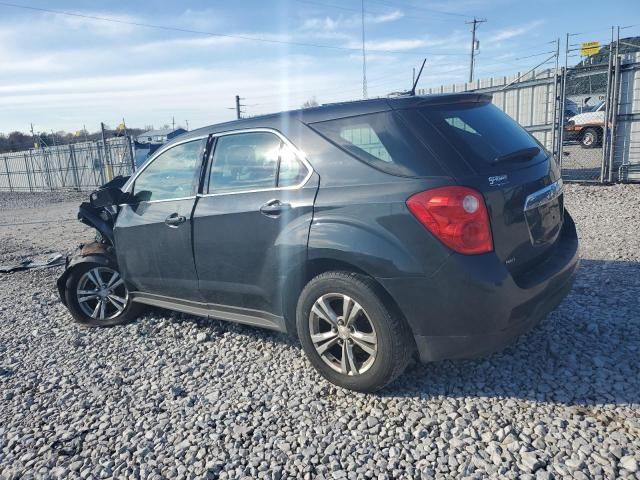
{"x":177,"y":396}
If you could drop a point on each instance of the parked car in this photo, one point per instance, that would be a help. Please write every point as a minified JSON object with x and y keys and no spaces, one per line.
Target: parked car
{"x":587,"y":127}
{"x":376,"y":232}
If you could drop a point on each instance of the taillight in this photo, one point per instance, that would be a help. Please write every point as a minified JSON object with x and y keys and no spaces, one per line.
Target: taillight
{"x":457,"y":216}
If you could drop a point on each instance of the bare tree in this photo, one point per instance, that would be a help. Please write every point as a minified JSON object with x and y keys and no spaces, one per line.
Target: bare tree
{"x":312,"y":102}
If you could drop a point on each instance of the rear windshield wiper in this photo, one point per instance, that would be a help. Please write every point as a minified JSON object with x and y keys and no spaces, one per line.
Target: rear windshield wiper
{"x":522,"y":154}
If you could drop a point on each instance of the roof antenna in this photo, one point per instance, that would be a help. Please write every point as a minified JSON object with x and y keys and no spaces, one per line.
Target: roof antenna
{"x":415,"y":83}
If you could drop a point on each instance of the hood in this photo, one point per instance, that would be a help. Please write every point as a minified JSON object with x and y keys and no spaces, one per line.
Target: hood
{"x":588,"y":118}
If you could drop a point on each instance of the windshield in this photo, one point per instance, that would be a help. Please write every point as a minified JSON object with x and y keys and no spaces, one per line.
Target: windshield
{"x":595,"y":107}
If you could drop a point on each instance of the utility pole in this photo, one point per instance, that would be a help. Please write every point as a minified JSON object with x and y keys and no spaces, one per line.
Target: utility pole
{"x":187,"y":122}
{"x":238,"y":107}
{"x":33,"y":137}
{"x":475,"y":23}
{"x":364,"y":58}
{"x":173,"y":123}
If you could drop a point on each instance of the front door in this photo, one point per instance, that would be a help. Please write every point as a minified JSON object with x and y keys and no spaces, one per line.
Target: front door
{"x":153,"y":232}
{"x":252,"y":223}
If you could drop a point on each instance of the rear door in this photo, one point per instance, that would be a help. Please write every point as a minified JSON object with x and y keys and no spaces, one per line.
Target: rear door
{"x":487,"y":150}
{"x":252,"y":221}
{"x":153,"y":232}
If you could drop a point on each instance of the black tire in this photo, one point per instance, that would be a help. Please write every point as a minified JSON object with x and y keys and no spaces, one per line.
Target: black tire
{"x":128,"y":314}
{"x":395,"y":345}
{"x":590,"y":138}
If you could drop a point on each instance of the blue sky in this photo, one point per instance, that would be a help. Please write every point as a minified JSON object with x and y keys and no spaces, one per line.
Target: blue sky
{"x":62,"y":72}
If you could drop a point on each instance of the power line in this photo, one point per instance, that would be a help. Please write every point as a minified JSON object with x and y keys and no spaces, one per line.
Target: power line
{"x":379,"y":12}
{"x":211,"y":34}
{"x":422,"y":9}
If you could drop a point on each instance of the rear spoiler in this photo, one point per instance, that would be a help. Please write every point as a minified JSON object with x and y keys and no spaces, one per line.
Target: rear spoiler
{"x":440,"y":99}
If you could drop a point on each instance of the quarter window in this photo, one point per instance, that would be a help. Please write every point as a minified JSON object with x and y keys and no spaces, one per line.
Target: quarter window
{"x":172,"y":174}
{"x":364,"y":137}
{"x":381,"y":140}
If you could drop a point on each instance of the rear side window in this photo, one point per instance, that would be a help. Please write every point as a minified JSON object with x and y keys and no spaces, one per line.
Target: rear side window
{"x":254,"y":161}
{"x":480,"y":133}
{"x":383,"y":141}
{"x":244,"y":161}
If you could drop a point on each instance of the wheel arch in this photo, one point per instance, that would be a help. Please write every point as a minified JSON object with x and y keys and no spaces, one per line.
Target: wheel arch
{"x":302,"y":275}
{"x":91,"y":253}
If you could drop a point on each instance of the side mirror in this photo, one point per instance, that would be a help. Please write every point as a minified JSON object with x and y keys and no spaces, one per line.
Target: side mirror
{"x":106,"y":197}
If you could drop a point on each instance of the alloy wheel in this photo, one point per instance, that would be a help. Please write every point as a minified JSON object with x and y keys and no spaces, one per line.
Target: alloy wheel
{"x":589,"y":139}
{"x":102,"y":294}
{"x":342,"y":334}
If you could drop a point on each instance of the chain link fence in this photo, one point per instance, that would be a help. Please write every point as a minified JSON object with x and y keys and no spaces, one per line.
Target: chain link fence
{"x":78,"y":166}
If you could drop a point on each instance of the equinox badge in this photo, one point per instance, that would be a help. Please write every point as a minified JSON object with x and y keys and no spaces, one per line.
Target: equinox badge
{"x":498,"y":180}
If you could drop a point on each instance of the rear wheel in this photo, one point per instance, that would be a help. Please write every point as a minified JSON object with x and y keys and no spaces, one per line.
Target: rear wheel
{"x":98,"y":297}
{"x":590,"y":138}
{"x":349,"y":335}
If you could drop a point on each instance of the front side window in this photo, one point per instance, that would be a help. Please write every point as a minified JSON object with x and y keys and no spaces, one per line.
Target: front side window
{"x":172,"y":174}
{"x":253,"y":161}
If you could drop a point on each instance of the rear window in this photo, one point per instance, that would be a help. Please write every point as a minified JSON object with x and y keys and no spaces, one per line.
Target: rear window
{"x":480,"y":133}
{"x":383,"y":141}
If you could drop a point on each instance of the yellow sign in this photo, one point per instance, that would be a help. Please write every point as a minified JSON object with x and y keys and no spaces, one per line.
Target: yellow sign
{"x":589,"y":48}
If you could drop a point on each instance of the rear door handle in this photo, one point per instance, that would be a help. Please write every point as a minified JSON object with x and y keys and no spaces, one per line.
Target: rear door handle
{"x":175,"y":220}
{"x":274,"y":208}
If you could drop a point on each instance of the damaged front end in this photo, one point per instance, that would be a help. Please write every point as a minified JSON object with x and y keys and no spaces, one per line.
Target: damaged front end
{"x":100,"y":213}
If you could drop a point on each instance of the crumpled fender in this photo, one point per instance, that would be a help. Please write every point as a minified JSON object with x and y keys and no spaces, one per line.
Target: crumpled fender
{"x":94,"y":252}
{"x":96,"y":218}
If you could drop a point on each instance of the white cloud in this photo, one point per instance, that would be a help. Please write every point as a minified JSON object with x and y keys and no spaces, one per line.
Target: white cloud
{"x":396,"y":44}
{"x":93,"y":26}
{"x":327,"y":23}
{"x":514,"y":31}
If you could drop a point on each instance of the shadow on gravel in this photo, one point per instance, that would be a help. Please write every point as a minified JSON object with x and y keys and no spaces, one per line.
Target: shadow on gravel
{"x":586,"y":352}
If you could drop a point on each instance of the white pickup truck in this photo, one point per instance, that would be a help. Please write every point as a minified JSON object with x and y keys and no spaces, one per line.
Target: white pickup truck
{"x":586,"y":127}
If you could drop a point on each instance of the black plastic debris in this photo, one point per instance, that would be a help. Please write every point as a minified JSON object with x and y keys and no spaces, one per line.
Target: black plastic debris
{"x":54,"y":260}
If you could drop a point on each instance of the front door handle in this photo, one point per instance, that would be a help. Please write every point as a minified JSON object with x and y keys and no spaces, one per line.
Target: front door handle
{"x":175,"y":220}
{"x":274,"y":208}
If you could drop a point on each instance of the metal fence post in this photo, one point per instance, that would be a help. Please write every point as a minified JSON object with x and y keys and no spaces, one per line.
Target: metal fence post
{"x":102,"y":162}
{"x":607,"y":111}
{"x":6,"y":167}
{"x":563,"y":94}
{"x":35,"y":169}
{"x":614,"y":113}
{"x":74,"y":168}
{"x":131,"y":154}
{"x":26,"y":166}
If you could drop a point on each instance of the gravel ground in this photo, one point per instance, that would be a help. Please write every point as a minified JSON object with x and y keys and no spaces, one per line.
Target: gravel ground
{"x":177,"y":396}
{"x":581,"y":164}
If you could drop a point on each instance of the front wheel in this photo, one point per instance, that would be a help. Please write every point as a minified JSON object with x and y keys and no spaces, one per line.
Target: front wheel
{"x":348,"y":333}
{"x":97,"y":296}
{"x":590,"y":138}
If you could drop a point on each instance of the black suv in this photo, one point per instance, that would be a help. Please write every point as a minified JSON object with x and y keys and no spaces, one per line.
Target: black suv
{"x":376,"y":231}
